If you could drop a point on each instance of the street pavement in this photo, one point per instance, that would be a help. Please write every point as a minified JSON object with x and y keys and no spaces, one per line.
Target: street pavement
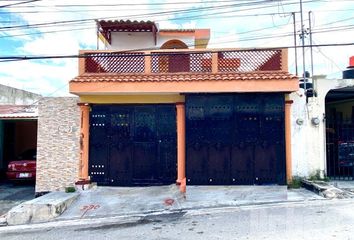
{"x":327,"y":219}
{"x":13,"y":194}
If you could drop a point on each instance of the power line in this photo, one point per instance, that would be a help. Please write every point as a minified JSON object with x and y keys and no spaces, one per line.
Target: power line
{"x":13,"y":4}
{"x":136,"y":4}
{"x":36,"y":33}
{"x":156,"y":4}
{"x":135,"y":8}
{"x":163,"y":13}
{"x":126,"y":52}
{"x":46,"y":32}
{"x":148,"y":14}
{"x":321,"y":30}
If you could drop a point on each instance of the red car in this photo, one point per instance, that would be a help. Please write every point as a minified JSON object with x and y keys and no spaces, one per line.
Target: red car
{"x":23,"y":169}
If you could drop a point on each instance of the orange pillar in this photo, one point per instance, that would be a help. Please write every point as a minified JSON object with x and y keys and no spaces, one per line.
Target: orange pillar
{"x":181,"y":146}
{"x":289,"y":176}
{"x":84,"y":141}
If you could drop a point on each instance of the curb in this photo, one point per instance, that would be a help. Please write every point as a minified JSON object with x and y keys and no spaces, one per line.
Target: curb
{"x":41,"y":209}
{"x":326,"y":190}
{"x":151,"y":215}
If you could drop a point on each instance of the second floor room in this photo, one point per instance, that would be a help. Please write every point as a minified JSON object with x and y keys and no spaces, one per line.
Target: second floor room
{"x":147,"y":35}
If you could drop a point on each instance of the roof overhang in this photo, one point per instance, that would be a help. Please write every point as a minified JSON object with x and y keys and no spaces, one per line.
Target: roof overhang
{"x":18,"y":112}
{"x":106,"y":27}
{"x":98,"y":84}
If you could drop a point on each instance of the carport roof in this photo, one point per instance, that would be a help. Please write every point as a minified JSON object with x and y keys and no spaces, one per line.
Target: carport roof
{"x":18,"y":112}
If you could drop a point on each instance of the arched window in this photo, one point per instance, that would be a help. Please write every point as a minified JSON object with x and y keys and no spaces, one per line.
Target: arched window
{"x":174,"y":62}
{"x":174,"y":44}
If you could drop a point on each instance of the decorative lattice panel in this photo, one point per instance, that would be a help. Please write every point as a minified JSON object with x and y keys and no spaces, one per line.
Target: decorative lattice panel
{"x":180,"y":62}
{"x":185,"y":61}
{"x":249,"y":60}
{"x":115,"y":63}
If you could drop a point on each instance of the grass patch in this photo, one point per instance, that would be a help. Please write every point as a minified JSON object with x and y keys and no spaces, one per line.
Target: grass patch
{"x":70,"y":189}
{"x":317,"y":177}
{"x":295,"y":183}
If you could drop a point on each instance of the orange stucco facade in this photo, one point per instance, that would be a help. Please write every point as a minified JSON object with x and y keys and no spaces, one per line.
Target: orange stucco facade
{"x":181,"y":146}
{"x":84,"y":141}
{"x":94,"y":88}
{"x":151,"y":88}
{"x":288,"y":140}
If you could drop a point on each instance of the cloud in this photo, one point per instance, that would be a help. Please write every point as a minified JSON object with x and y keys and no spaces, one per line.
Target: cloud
{"x":228,"y":29}
{"x":39,"y":77}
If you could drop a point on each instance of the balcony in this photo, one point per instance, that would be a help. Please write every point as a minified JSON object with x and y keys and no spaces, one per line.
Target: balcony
{"x":183,"y":61}
{"x":183,"y":71}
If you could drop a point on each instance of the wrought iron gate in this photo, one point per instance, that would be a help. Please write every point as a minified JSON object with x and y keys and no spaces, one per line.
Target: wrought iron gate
{"x":133,"y":145}
{"x":340,"y":147}
{"x":235,"y":139}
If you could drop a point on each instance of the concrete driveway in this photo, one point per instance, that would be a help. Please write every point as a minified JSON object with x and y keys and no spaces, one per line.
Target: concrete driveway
{"x":119,"y":201}
{"x":14,"y":194}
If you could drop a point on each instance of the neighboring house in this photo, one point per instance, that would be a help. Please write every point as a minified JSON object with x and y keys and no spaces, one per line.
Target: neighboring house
{"x":323,"y":128}
{"x":18,"y":124}
{"x":172,"y":110}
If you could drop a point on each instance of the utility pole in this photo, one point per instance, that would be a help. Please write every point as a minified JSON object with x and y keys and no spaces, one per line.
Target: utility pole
{"x":295,"y":42}
{"x":310,"y":33}
{"x":97,"y":35}
{"x":302,"y":35}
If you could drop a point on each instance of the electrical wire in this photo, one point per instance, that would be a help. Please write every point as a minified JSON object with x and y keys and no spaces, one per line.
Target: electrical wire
{"x":13,"y":4}
{"x":163,"y":13}
{"x":128,"y":53}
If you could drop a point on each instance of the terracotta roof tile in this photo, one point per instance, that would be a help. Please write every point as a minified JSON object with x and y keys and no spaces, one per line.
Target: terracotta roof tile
{"x":187,"y":77}
{"x":18,"y":111}
{"x":177,"y":30}
{"x":127,"y":25}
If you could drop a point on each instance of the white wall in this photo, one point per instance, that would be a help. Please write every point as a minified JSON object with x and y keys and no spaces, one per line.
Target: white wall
{"x":308,"y":140}
{"x":10,"y":95}
{"x":143,"y":40}
{"x":131,"y":40}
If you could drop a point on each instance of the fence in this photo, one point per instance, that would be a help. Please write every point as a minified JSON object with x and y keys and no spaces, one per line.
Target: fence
{"x":184,"y":61}
{"x":340,"y":148}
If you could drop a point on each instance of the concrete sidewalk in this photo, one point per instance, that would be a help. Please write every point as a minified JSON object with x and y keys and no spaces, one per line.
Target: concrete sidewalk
{"x":119,"y":201}
{"x":129,"y":202}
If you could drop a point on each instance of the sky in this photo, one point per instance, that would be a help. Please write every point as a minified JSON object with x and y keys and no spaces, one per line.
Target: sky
{"x":63,"y":27}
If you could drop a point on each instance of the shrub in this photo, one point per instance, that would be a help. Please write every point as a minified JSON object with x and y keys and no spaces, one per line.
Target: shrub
{"x":70,"y":189}
{"x":296,"y":182}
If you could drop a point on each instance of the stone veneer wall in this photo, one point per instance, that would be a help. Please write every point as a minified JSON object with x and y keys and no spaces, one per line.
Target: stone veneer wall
{"x":58,"y":143}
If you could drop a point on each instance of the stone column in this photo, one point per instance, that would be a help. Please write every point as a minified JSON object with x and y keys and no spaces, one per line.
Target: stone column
{"x":84,"y":140}
{"x":289,"y":176}
{"x":181,"y":146}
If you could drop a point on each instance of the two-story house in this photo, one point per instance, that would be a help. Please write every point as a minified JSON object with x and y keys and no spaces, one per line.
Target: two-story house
{"x":158,"y":107}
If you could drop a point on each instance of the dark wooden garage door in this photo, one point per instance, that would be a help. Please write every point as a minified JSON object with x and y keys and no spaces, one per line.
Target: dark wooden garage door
{"x":133,"y":145}
{"x":235,"y":139}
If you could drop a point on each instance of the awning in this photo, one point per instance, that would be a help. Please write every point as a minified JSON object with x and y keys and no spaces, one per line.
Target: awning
{"x":9,"y":112}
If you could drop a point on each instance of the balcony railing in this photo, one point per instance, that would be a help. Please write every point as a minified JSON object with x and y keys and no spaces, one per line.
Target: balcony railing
{"x":178,"y":61}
